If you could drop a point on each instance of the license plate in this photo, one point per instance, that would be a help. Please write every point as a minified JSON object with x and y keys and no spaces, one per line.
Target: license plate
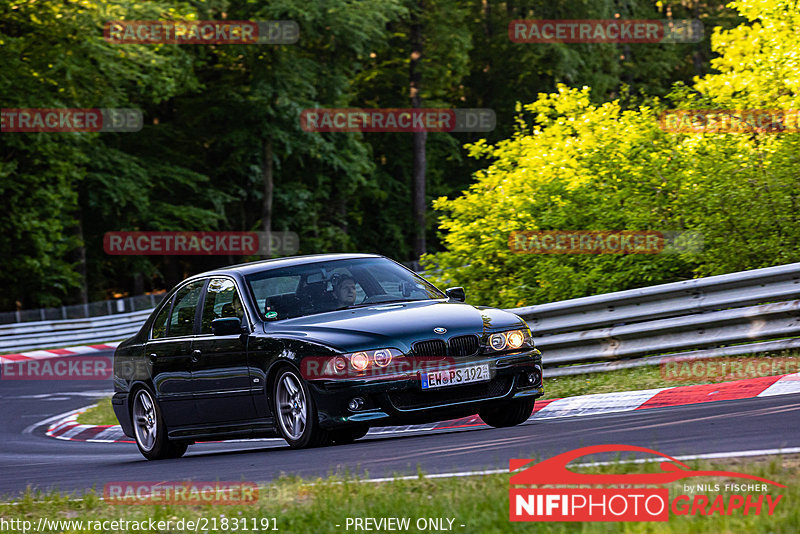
{"x":454,"y":377}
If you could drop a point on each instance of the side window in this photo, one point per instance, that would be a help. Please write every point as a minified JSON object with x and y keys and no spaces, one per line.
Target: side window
{"x":160,"y":324}
{"x":222,"y":300}
{"x":181,"y":322}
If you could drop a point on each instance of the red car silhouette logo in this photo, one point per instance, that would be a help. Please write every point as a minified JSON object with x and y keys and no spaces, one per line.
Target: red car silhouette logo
{"x":553,"y":471}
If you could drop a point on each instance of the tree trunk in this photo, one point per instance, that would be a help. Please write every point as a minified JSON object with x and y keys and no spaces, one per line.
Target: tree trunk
{"x":419,"y":138}
{"x":698,"y":58}
{"x":81,"y":294}
{"x":266,"y":205}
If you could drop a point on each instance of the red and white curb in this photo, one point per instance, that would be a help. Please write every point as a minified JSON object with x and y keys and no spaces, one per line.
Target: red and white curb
{"x":68,"y":428}
{"x":56,"y":353}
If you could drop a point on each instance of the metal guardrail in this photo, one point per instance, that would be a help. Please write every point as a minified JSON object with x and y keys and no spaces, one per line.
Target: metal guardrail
{"x":46,"y":334}
{"x":738,"y":313}
{"x":748,"y":312}
{"x":80,"y":311}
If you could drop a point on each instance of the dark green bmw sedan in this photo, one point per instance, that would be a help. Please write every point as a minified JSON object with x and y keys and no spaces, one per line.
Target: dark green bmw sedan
{"x":316,"y":350}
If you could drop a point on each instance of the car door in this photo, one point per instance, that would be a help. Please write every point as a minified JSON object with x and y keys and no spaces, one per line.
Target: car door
{"x":220,"y":373}
{"x":169,"y":350}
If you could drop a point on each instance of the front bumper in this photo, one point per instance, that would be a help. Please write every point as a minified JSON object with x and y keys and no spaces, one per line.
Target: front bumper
{"x":401,"y":399}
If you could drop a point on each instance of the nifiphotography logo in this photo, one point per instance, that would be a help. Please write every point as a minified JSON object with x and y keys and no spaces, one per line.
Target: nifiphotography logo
{"x":629,"y":497}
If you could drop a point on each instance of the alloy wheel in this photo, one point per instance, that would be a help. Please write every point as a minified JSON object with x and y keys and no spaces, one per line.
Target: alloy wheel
{"x":145,"y":420}
{"x":292,"y":406}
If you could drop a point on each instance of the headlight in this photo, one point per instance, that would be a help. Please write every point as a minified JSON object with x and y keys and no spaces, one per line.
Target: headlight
{"x":339,"y":364}
{"x":362,"y":364}
{"x":511,"y":340}
{"x":515,"y":339}
{"x":382,"y":357}
{"x":498,"y":341}
{"x":359,"y":361}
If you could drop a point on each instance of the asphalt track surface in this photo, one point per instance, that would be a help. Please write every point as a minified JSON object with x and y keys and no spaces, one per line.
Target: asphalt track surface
{"x":28,"y":458}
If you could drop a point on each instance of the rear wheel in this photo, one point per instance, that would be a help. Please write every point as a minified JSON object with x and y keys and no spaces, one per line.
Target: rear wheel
{"x":511,"y":414}
{"x":348,"y":435}
{"x":296,"y":412}
{"x":150,"y":431}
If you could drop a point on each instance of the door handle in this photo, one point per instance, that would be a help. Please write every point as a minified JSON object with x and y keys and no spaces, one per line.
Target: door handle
{"x":153,"y":357}
{"x":196,"y":353}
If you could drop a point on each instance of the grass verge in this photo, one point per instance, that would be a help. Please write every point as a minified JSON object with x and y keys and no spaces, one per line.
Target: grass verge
{"x":479,"y":503}
{"x":100,"y":414}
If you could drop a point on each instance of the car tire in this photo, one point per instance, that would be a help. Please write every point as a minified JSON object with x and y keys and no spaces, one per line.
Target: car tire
{"x":149,"y":429}
{"x":295,"y":411}
{"x":344,"y":436}
{"x":511,"y":414}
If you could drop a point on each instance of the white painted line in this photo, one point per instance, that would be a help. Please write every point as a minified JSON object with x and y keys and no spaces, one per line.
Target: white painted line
{"x":705,"y":456}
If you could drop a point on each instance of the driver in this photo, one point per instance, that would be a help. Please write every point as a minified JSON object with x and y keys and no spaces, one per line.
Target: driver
{"x":344,"y":290}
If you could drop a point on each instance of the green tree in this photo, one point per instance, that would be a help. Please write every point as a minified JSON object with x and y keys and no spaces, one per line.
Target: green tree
{"x":576,"y":165}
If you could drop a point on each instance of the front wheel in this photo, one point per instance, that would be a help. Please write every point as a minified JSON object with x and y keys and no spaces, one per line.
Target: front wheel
{"x":150,"y":431}
{"x":511,"y":414}
{"x":296,"y":412}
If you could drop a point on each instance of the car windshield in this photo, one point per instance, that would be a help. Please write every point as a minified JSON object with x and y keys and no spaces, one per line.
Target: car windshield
{"x":333,"y":285}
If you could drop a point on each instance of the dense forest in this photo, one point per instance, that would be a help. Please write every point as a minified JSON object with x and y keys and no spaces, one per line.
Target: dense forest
{"x":576,"y":145}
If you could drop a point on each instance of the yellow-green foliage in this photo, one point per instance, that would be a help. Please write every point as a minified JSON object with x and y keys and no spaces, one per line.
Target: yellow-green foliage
{"x":572,"y":165}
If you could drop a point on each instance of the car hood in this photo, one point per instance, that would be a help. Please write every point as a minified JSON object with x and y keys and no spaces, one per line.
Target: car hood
{"x":395,"y":325}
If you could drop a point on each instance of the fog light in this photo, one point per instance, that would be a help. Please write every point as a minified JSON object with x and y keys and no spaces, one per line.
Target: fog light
{"x":339,"y":364}
{"x":534,"y":376}
{"x":355,"y":404}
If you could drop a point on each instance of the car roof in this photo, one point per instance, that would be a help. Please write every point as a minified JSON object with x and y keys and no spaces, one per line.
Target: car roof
{"x":276,"y":263}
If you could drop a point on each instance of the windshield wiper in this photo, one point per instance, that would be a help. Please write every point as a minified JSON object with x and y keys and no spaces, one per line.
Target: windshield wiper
{"x":367,"y":304}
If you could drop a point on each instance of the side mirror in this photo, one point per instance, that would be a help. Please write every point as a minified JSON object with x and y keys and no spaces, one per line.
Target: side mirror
{"x":456,"y":293}
{"x":405,"y":289}
{"x":226,"y":326}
